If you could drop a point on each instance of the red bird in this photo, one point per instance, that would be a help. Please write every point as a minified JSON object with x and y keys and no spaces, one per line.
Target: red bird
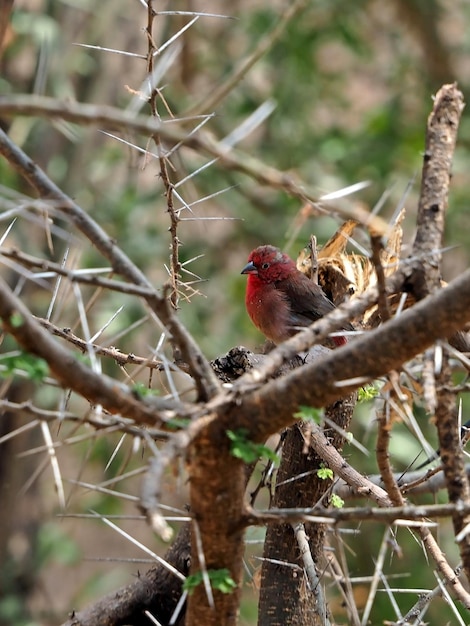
{"x":279,"y":298}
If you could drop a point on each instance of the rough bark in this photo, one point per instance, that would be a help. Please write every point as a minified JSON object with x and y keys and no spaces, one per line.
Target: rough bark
{"x":157,"y":591}
{"x":285,"y":597}
{"x":217,"y":481}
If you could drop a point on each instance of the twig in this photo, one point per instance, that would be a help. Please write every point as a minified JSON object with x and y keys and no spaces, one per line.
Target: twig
{"x":205,"y":380}
{"x":108,"y":423}
{"x":121,"y":358}
{"x":382,"y":450}
{"x":311,"y":573}
{"x":449,"y":575}
{"x":87,"y":277}
{"x":112,"y":118}
{"x":345,"y":471}
{"x":152,"y":484}
{"x":73,"y":374}
{"x":441,"y":137}
{"x":429,"y":381}
{"x":175,"y":265}
{"x":265,"y":43}
{"x":377,"y":249}
{"x":452,"y":457}
{"x":332,"y":516}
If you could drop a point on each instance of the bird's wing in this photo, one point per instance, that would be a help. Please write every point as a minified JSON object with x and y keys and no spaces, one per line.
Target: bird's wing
{"x":306,"y":299}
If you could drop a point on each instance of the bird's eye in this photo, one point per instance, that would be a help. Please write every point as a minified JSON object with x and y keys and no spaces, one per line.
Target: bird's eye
{"x":265,"y":266}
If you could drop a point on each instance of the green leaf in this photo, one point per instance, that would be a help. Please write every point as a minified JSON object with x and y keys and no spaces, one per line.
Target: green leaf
{"x":308,"y":413}
{"x":337,"y":501}
{"x":16,"y":320}
{"x":249,"y":451}
{"x":141,"y":390}
{"x":220,"y":579}
{"x":325,"y":473}
{"x":178,"y":422}
{"x":35,"y":368}
{"x":369,"y":392}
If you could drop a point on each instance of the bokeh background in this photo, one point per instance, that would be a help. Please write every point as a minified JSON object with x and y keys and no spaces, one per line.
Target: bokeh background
{"x":352,"y":84}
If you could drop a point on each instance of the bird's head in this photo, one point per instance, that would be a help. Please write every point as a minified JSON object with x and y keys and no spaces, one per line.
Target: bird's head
{"x":269,"y":264}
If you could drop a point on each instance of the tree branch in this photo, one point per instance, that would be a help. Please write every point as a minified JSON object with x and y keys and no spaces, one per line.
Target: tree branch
{"x":342,"y":371}
{"x":73,"y":374}
{"x":204,"y":378}
{"x":113,"y":118}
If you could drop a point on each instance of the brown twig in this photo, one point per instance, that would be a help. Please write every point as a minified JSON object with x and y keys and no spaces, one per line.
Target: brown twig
{"x":441,"y":137}
{"x":320,"y":514}
{"x":384,"y":422}
{"x":204,"y":378}
{"x":101,"y":423}
{"x":72,"y":373}
{"x":121,"y":358}
{"x":44,"y":265}
{"x":452,"y":457}
{"x":265,"y":43}
{"x":113,"y":118}
{"x":377,"y":249}
{"x":175,"y":265}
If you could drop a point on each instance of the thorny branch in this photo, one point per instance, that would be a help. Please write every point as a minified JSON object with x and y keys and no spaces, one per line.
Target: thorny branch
{"x":72,"y":373}
{"x":115,"y":119}
{"x":252,"y":403}
{"x":441,"y":139}
{"x":154,"y":94}
{"x":400,"y":515}
{"x":205,"y":381}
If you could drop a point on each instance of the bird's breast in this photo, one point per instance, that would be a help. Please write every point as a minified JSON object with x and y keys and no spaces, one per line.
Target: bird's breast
{"x":269,"y":311}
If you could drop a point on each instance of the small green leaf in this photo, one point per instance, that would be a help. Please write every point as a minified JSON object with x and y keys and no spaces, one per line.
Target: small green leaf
{"x":35,"y":368}
{"x":308,"y":413}
{"x":141,"y":390}
{"x":178,"y":423}
{"x":16,"y":320}
{"x":325,"y":473}
{"x":220,"y":579}
{"x":249,"y":451}
{"x":337,"y":501}
{"x":369,"y":392}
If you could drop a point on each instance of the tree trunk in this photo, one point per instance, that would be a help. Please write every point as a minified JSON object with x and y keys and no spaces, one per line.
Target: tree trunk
{"x":285,"y":596}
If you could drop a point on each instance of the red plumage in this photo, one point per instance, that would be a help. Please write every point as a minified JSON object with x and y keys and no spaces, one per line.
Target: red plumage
{"x":279,"y":298}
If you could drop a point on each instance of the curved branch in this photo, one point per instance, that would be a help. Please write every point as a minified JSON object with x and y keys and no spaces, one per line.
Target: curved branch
{"x":205,"y":380}
{"x":269,"y":408}
{"x":441,"y":137}
{"x":113,"y":118}
{"x":157,"y":591}
{"x":73,"y":374}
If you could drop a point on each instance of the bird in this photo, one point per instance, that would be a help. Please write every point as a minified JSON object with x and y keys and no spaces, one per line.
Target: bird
{"x":280,"y":299}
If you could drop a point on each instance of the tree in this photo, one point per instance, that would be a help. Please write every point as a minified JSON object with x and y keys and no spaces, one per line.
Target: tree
{"x":221,"y":429}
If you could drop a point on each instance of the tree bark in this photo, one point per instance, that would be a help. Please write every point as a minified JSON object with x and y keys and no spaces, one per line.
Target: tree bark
{"x":157,"y":591}
{"x":285,"y":596}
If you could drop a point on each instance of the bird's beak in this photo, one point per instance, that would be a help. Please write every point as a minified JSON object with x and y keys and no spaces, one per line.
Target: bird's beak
{"x":249,"y":268}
